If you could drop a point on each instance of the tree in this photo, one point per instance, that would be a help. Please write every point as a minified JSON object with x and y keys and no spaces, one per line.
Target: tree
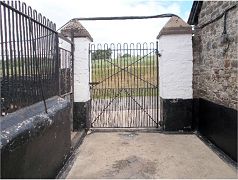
{"x":102,"y":54}
{"x":126,"y":55}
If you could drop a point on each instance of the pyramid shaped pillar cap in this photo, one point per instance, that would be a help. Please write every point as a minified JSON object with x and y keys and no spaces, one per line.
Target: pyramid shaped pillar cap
{"x":175,"y":25}
{"x":75,"y":27}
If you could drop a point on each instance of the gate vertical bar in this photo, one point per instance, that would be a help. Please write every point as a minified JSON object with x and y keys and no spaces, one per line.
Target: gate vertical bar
{"x":157,"y":94}
{"x":72,"y":58}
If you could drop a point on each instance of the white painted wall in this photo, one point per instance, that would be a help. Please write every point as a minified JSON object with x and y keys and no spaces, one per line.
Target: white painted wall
{"x":81,"y":69}
{"x":67,"y":46}
{"x":175,"y":66}
{"x":64,"y":44}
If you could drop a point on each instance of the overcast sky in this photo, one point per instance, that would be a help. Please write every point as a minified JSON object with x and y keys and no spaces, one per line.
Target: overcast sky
{"x":61,"y":11}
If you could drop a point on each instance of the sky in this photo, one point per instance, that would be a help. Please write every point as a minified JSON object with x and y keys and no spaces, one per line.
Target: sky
{"x":61,"y":11}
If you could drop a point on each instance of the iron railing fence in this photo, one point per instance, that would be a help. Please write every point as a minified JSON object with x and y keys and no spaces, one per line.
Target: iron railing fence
{"x":28,"y":55}
{"x":66,"y":73}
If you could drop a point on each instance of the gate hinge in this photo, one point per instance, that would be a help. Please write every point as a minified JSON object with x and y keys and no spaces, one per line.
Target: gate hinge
{"x":158,"y":53}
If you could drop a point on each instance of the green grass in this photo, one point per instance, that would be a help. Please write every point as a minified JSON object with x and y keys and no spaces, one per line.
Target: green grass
{"x":110,"y":93}
{"x":141,"y":74}
{"x":103,"y":63}
{"x":26,"y":65}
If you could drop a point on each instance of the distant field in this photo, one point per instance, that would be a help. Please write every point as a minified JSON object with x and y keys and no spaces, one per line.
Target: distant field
{"x":26,"y":65}
{"x":125,"y":73}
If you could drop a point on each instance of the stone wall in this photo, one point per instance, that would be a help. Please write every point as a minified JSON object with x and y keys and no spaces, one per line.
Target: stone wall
{"x":215,"y":85}
{"x":215,"y":62}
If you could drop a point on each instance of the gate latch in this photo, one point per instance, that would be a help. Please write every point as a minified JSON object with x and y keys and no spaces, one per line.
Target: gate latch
{"x":91,"y":84}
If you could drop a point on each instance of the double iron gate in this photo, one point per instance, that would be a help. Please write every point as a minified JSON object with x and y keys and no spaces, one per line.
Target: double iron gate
{"x":124,"y":85}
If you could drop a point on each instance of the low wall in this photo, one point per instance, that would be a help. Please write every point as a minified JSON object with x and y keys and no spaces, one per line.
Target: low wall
{"x":219,"y":125}
{"x":81,"y":115}
{"x":35,"y":144}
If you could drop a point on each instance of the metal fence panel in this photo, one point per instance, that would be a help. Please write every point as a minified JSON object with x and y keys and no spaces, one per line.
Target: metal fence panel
{"x":28,"y":56}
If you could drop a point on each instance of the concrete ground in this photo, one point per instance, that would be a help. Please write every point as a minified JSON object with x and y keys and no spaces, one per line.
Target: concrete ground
{"x":147,"y":155}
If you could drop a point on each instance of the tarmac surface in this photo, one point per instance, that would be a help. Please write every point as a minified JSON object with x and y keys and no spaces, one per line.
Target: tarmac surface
{"x":147,"y":155}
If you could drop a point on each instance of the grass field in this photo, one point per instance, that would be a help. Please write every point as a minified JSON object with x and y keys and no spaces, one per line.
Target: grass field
{"x":26,"y":66}
{"x":136,"y":75}
{"x":125,"y":73}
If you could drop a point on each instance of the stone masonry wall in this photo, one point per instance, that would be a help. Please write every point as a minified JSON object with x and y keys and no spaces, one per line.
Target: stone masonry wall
{"x":215,"y":63}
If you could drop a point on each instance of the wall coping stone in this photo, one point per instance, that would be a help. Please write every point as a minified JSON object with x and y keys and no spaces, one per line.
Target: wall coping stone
{"x":27,"y":118}
{"x":175,"y":25}
{"x":77,"y":28}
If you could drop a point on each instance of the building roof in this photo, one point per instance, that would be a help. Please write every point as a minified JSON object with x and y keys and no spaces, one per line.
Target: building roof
{"x":77,"y":28}
{"x":196,"y":8}
{"x":175,"y":25}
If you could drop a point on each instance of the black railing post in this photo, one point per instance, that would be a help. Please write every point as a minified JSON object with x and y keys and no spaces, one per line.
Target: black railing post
{"x":157,"y":79}
{"x":59,"y":69}
{"x":58,"y":64}
{"x":72,"y":53}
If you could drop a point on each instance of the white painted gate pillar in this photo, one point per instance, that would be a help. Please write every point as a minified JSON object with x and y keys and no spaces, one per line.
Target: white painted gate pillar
{"x":82,"y":39}
{"x":175,"y":75}
{"x":81,"y":69}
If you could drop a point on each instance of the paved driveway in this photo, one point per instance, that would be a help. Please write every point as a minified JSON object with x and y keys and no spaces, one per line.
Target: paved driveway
{"x":147,"y":155}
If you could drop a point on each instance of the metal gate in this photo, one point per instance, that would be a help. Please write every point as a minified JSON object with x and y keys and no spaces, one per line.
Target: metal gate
{"x":124,"y":85}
